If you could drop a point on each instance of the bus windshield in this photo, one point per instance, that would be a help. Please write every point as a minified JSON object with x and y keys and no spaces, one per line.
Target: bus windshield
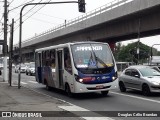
{"x":94,"y":55}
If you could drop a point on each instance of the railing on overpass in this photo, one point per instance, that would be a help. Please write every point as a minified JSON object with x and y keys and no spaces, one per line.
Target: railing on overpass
{"x":102,"y":9}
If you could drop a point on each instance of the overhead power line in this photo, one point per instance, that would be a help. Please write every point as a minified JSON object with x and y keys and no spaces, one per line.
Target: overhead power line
{"x":28,"y":10}
{"x":10,"y":2}
{"x":36,"y":11}
{"x":21,"y":5}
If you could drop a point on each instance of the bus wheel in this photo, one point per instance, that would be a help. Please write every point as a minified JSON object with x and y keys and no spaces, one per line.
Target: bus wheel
{"x":68,"y":91}
{"x":104,"y":93}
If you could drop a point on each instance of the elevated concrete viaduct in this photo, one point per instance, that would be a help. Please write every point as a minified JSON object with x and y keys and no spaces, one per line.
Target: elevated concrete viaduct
{"x":118,"y":21}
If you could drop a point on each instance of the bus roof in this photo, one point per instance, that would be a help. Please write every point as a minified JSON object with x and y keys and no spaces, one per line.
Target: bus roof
{"x":66,"y":44}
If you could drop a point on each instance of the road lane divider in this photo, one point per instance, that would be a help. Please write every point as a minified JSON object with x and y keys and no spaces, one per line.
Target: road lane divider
{"x":132,"y":96}
{"x":72,"y":107}
{"x":84,"y":113}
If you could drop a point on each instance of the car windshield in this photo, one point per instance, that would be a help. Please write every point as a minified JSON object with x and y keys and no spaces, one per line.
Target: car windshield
{"x":92,"y":55}
{"x":149,"y":72}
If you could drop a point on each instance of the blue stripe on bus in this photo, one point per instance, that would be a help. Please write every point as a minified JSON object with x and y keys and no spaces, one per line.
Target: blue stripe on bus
{"x":100,"y":78}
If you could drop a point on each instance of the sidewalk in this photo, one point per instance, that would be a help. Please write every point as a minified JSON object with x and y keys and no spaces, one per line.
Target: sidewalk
{"x":24,"y":100}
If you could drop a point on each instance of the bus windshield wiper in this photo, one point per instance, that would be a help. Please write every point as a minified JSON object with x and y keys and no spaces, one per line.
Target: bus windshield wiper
{"x":101,"y":61}
{"x":91,"y":60}
{"x":98,"y":59}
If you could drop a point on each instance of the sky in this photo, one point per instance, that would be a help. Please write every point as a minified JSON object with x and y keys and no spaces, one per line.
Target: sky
{"x":48,"y":16}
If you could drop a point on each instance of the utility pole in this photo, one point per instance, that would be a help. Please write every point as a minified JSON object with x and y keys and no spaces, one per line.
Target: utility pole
{"x":5,"y":76}
{"x":11,"y":52}
{"x":138,"y":46}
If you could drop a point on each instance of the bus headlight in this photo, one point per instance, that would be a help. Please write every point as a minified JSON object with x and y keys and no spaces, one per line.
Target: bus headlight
{"x":115,"y":76}
{"x":86,"y":79}
{"x":81,"y":80}
{"x":78,"y":79}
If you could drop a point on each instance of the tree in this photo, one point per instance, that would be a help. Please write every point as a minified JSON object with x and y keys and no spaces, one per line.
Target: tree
{"x":129,"y":53}
{"x":117,"y":49}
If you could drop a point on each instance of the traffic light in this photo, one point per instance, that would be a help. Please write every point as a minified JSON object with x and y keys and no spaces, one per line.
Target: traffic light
{"x":81,"y":6}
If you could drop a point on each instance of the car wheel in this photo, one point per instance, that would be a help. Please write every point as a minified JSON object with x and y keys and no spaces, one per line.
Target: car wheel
{"x":68,"y":91}
{"x":122,"y":87}
{"x":104,"y":93}
{"x":146,"y":90}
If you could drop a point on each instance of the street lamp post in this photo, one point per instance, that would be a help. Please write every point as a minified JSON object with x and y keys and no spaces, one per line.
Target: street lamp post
{"x":20,"y":30}
{"x":138,"y":46}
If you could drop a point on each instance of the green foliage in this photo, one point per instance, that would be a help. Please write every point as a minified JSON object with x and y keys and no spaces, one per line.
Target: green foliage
{"x":129,"y":53}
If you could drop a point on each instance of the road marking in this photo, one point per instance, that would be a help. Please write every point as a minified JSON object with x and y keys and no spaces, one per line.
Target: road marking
{"x":78,"y":111}
{"x":23,"y":83}
{"x":32,"y":81}
{"x":73,"y":107}
{"x":146,"y":99}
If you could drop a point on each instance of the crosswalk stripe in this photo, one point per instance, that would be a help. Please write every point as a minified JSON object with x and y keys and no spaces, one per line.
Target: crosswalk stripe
{"x":32,"y":81}
{"x":23,"y":83}
{"x":80,"y":109}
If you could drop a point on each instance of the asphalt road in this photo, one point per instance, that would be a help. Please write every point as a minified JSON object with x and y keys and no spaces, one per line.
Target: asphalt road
{"x":132,"y":101}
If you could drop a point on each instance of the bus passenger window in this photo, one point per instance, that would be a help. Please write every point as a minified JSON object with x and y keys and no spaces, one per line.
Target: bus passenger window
{"x":67,"y":61}
{"x":53,"y":63}
{"x":52,"y":56}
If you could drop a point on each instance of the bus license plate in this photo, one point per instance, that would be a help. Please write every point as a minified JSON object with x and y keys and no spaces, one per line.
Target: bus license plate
{"x":99,"y":87}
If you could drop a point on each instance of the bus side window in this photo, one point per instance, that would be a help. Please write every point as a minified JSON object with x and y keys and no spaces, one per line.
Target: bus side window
{"x":43,"y":58}
{"x":52,"y":56}
{"x":67,"y":61}
{"x":47,"y":58}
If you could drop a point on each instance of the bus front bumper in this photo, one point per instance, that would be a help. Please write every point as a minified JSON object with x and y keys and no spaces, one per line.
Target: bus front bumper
{"x":86,"y":88}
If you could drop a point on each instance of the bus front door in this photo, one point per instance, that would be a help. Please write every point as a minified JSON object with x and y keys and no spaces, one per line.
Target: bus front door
{"x":60,"y":68}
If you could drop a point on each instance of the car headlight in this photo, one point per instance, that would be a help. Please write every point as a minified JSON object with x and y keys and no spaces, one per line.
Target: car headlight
{"x":155,"y":83}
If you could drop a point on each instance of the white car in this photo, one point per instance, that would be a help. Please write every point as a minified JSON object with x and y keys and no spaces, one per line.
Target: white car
{"x":23,"y":68}
{"x":30,"y":70}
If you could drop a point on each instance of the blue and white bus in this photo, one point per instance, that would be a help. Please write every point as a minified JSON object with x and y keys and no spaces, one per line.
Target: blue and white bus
{"x":78,"y":67}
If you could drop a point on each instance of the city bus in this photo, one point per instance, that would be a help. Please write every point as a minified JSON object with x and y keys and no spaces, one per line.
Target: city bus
{"x":78,"y":67}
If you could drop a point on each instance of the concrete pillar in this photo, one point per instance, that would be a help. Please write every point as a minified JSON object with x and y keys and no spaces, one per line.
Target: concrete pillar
{"x":112,"y":45}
